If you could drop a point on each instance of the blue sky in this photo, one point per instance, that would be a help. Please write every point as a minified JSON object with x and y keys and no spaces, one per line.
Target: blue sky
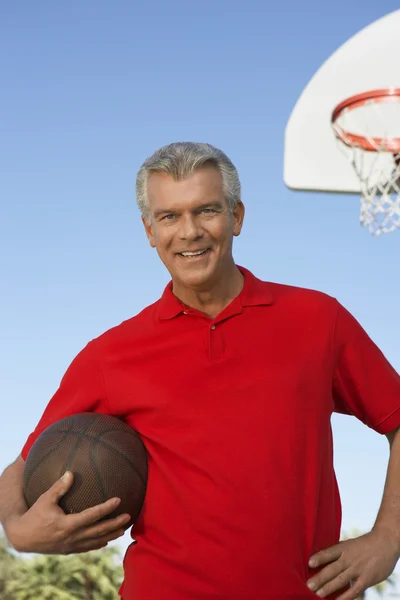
{"x":88,"y":91}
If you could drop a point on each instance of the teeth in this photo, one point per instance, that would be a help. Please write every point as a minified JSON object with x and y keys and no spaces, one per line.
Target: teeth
{"x":193,"y":253}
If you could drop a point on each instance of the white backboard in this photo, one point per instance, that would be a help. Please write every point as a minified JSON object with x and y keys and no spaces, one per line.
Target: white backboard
{"x":368,"y":61}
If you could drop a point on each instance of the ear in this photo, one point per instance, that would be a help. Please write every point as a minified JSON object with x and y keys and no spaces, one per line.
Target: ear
{"x":149,"y":231}
{"x":238,"y":216}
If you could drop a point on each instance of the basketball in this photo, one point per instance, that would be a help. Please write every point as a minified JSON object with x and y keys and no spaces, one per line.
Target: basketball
{"x":106,"y":456}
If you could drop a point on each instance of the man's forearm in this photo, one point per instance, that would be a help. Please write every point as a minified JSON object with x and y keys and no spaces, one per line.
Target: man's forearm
{"x":12,"y":501}
{"x":388,"y":518}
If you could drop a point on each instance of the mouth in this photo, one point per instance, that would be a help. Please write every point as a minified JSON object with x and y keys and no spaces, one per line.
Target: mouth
{"x":196,"y":254}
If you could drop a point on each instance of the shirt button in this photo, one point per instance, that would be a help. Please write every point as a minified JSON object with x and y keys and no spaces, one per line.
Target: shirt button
{"x":212,"y":326}
{"x":184,"y":312}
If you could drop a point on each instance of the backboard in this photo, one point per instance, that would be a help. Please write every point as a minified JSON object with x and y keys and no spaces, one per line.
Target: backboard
{"x":368,"y":61}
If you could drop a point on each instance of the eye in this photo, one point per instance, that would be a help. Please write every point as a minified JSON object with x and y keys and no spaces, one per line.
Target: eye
{"x":208,"y":211}
{"x":168,"y":217}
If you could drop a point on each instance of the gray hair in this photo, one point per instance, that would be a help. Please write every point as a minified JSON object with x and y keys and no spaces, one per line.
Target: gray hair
{"x":180,"y":160}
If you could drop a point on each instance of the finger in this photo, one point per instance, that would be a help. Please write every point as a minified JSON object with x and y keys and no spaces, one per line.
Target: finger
{"x":95,"y":544}
{"x":103,"y":528}
{"x":59,"y":488}
{"x":93,"y":514}
{"x":82,"y":549}
{"x":339,"y":582}
{"x":356,"y":591}
{"x":324,"y":576}
{"x":325,"y":556}
{"x":110,"y":537}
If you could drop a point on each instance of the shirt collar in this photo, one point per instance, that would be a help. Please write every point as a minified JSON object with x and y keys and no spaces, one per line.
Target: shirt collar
{"x":254,"y":293}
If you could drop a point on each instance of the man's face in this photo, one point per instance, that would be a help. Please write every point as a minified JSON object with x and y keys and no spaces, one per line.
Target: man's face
{"x":192,"y":216}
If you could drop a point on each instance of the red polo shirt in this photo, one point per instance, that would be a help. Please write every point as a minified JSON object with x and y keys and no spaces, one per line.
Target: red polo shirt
{"x":235,"y":414}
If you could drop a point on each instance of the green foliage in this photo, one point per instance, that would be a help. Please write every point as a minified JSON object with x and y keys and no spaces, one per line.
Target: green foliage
{"x":90,"y":576}
{"x":8,"y":566}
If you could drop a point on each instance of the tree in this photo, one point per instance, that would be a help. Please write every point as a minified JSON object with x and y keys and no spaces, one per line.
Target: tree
{"x":96,"y":575}
{"x":90,"y":576}
{"x":8,"y":567}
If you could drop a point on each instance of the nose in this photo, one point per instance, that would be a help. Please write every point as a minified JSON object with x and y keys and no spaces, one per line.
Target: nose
{"x":190,"y":228}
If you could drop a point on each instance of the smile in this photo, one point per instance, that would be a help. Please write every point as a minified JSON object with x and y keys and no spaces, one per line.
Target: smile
{"x":194,"y":254}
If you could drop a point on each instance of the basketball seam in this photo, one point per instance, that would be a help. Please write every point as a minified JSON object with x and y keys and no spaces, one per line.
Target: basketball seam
{"x":97,"y":439}
{"x":109,"y":446}
{"x":75,"y":447}
{"x":96,"y":442}
{"x":97,"y":473}
{"x":46,"y":456}
{"x":84,"y":435}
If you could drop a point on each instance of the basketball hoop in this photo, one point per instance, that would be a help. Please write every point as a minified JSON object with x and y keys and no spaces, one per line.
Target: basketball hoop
{"x":367,"y":127}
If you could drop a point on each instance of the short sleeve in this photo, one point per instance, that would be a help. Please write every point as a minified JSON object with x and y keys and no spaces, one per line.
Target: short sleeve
{"x":81,"y":390}
{"x":364,"y":382}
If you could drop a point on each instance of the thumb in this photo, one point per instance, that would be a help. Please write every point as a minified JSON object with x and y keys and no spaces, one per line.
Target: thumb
{"x":61,"y":486}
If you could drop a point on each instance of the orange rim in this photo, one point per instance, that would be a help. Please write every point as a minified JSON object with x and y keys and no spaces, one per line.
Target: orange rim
{"x":371,"y":144}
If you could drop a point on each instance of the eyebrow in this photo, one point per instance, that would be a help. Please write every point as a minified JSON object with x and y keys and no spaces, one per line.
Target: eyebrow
{"x":214,"y":204}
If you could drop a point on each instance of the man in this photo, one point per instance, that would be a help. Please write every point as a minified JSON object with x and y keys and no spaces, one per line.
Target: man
{"x":231,"y":383}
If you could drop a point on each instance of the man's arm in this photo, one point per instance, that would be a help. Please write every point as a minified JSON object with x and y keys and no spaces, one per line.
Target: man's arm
{"x":12,"y":501}
{"x":365,"y":561}
{"x":45,"y":528}
{"x":390,"y":436}
{"x":388,"y":519}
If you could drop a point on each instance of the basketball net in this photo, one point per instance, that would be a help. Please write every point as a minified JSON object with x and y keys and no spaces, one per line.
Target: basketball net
{"x":367,"y":128}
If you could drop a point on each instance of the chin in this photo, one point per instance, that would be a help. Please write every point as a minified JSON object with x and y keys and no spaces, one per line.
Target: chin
{"x":194,"y":279}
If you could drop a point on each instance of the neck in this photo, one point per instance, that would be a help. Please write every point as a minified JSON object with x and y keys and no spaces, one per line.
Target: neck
{"x":216,"y":297}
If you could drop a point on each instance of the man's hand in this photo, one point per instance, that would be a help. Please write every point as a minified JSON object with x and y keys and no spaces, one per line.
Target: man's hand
{"x":46,"y":529}
{"x":361,"y":562}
